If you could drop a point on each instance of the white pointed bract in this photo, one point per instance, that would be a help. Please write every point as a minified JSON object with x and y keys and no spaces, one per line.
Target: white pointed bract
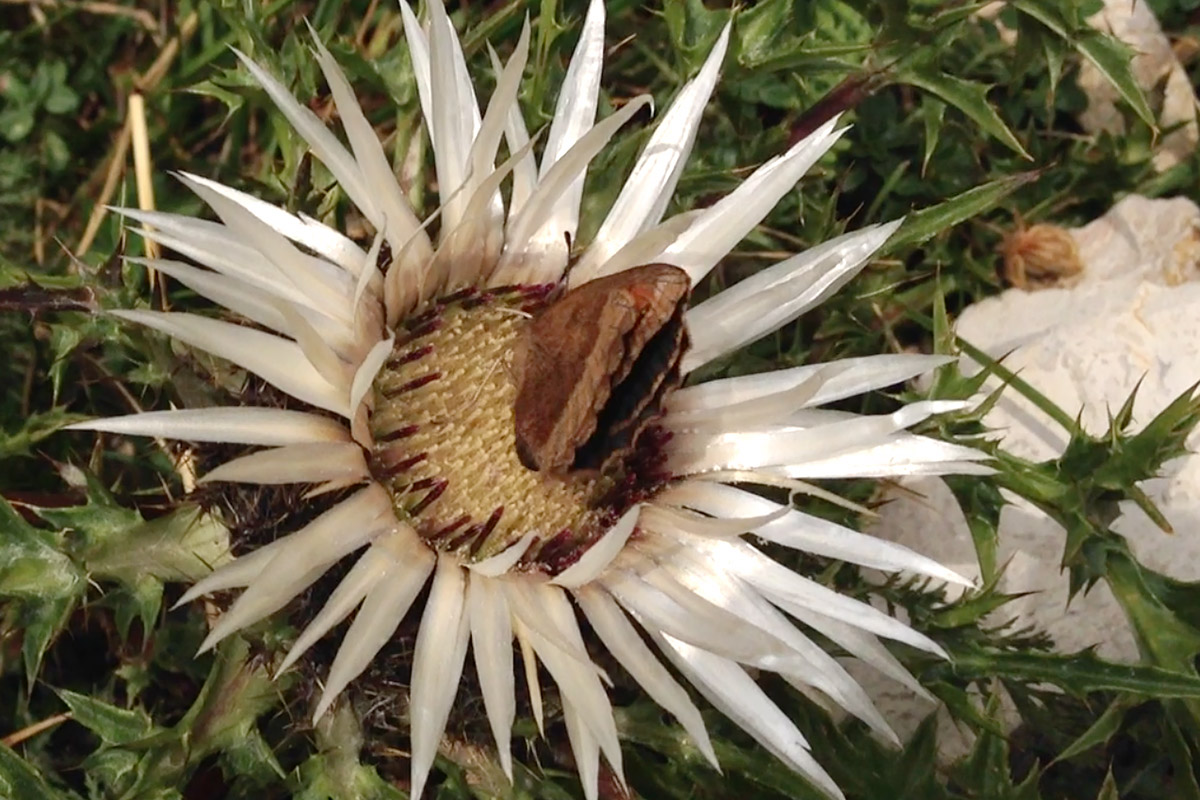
{"x":670,"y":566}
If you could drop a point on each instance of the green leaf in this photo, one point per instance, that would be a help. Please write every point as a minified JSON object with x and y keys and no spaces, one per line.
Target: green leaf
{"x":221,"y":722}
{"x":986,"y":769}
{"x":237,"y":691}
{"x":44,"y":619}
{"x":943,"y":332}
{"x":968,"y":97}
{"x":489,"y":27}
{"x":252,"y":758}
{"x":1055,"y":54}
{"x":1163,"y":638}
{"x":61,"y":99}
{"x":546,"y":30}
{"x":1141,"y":455}
{"x":1010,"y":378}
{"x":17,"y":92}
{"x":56,"y":154}
{"x":42,"y":580}
{"x":139,"y":599}
{"x":335,"y":770}
{"x":34,"y":428}
{"x":1184,"y":782}
{"x":233,"y":101}
{"x":974,"y":608}
{"x":929,"y":222}
{"x":1108,"y":789}
{"x":693,"y":28}
{"x":1111,"y":56}
{"x":31,"y":565}
{"x":16,"y":123}
{"x":933,"y":116}
{"x":986,"y":503}
{"x":100,"y":520}
{"x":19,"y":780}
{"x":113,"y":725}
{"x":964,"y":706}
{"x":1103,"y":729}
{"x":760,"y":28}
{"x":184,"y":545}
{"x":643,"y":725}
{"x":114,"y":771}
{"x":1078,"y":673}
{"x":318,"y":781}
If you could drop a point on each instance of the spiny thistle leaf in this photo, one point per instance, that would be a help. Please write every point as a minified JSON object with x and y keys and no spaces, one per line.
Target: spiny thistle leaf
{"x":1078,"y":673}
{"x":335,"y":770}
{"x":19,"y":780}
{"x":987,"y":771}
{"x":1164,"y":637}
{"x":112,"y":542}
{"x":927,"y":222}
{"x":43,"y":583}
{"x":1111,"y":56}
{"x":113,"y":725}
{"x":1103,"y":729}
{"x":1141,"y":455}
{"x":986,"y":502}
{"x":969,"y":97}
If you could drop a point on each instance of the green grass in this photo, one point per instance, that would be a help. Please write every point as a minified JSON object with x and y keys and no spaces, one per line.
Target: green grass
{"x":950,"y":127}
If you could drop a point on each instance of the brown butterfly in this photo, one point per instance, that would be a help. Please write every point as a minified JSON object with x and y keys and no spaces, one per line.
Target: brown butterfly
{"x":593,"y":367}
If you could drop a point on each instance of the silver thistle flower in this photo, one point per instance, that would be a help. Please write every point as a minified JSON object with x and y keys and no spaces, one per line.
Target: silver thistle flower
{"x":412,"y":404}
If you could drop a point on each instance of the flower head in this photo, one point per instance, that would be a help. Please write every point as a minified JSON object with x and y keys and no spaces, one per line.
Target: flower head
{"x":497,"y":439}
